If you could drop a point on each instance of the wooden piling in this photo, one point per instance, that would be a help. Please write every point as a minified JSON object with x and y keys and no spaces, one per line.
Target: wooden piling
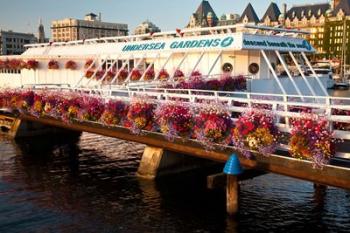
{"x":150,"y":162}
{"x":232,"y":195}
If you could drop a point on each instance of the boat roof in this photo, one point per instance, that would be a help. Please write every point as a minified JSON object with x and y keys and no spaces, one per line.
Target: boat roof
{"x":223,"y":38}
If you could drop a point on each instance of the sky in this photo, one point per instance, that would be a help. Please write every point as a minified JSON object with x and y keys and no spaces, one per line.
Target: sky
{"x":24,"y":15}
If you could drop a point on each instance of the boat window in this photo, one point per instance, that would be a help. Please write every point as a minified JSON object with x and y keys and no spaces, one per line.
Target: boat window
{"x":227,"y":67}
{"x":253,"y":68}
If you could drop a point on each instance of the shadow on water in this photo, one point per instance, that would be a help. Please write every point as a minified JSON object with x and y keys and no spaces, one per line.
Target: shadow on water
{"x":87,"y":184}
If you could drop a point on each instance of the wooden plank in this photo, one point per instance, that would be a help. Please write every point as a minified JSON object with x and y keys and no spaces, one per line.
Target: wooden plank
{"x":329,"y":175}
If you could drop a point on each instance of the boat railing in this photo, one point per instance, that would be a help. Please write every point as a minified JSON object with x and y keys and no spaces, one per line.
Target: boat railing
{"x":284,"y":107}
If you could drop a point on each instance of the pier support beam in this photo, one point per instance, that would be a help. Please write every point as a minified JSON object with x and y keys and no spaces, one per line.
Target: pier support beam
{"x":232,"y":195}
{"x":158,"y":162}
{"x":150,"y":162}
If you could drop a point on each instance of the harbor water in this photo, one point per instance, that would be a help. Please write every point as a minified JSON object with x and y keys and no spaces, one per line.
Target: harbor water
{"x":87,"y":184}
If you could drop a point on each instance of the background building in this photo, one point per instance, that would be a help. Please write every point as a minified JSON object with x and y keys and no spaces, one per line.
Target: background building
{"x":12,"y":43}
{"x":146,"y":27}
{"x":229,"y":19}
{"x":41,"y":33}
{"x":203,"y":17}
{"x":91,"y":27}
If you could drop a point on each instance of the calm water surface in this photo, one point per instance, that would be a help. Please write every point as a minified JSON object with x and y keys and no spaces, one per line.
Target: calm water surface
{"x":87,"y":184}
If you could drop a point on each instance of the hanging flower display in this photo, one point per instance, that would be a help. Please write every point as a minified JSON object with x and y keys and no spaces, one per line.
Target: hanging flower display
{"x":150,"y":74}
{"x":73,"y":106}
{"x":32,"y":64}
{"x":89,"y":73}
{"x":110,"y":75}
{"x":88,"y":64}
{"x":3,"y":64}
{"x":163,"y":75}
{"x":25,"y":101}
{"x":135,"y":75}
{"x":99,"y":74}
{"x":179,"y":75}
{"x":123,"y":75}
{"x":14,"y":64}
{"x":38,"y":105}
{"x":255,"y":130}
{"x":140,"y":115}
{"x":71,"y":65}
{"x":53,"y":65}
{"x":175,"y":119}
{"x":115,"y":112}
{"x":50,"y":102}
{"x":90,"y":108}
{"x":213,"y":124}
{"x":311,"y":139}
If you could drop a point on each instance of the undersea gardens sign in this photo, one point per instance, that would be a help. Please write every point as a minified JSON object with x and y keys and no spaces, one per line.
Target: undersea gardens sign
{"x":237,"y":42}
{"x":205,"y":43}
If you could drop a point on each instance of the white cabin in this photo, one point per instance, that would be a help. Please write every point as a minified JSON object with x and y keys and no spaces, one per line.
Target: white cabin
{"x":252,"y":51}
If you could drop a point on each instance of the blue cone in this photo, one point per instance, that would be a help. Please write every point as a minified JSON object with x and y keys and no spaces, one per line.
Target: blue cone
{"x":233,"y":166}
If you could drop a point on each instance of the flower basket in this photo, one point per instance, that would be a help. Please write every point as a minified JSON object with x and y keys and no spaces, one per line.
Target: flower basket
{"x":213,"y":85}
{"x":163,"y":75}
{"x":90,"y":108}
{"x":311,"y":139}
{"x":255,"y":130}
{"x":73,"y":106}
{"x":38,"y":105}
{"x":99,"y":74}
{"x":50,"y":103}
{"x":135,"y":75}
{"x":140,"y":115}
{"x":25,"y":101}
{"x":71,"y":65}
{"x":150,"y":74}
{"x":89,"y":73}
{"x":175,"y":119}
{"x":109,"y":76}
{"x":123,"y":75}
{"x":3,"y":64}
{"x":53,"y":65}
{"x":32,"y":64}
{"x":213,"y":124}
{"x":14,"y":64}
{"x":115,"y":112}
{"x":179,"y":75}
{"x":88,"y":64}
{"x":196,"y":75}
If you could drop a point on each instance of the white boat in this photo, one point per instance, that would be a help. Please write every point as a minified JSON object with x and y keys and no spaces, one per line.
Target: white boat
{"x":106,"y":66}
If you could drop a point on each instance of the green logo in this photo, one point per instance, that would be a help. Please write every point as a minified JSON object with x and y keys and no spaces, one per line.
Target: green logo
{"x":226,"y":42}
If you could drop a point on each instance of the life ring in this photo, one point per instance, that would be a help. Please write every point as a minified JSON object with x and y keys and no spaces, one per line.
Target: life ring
{"x":253,"y":68}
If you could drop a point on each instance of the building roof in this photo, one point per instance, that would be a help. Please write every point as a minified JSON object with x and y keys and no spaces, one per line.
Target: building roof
{"x":250,"y":13}
{"x":343,"y":5}
{"x":307,"y":11}
{"x":91,"y":14}
{"x":273,"y":12}
{"x":202,"y":13}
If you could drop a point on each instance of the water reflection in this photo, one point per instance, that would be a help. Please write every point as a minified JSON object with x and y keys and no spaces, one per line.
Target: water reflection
{"x":87,"y":184}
